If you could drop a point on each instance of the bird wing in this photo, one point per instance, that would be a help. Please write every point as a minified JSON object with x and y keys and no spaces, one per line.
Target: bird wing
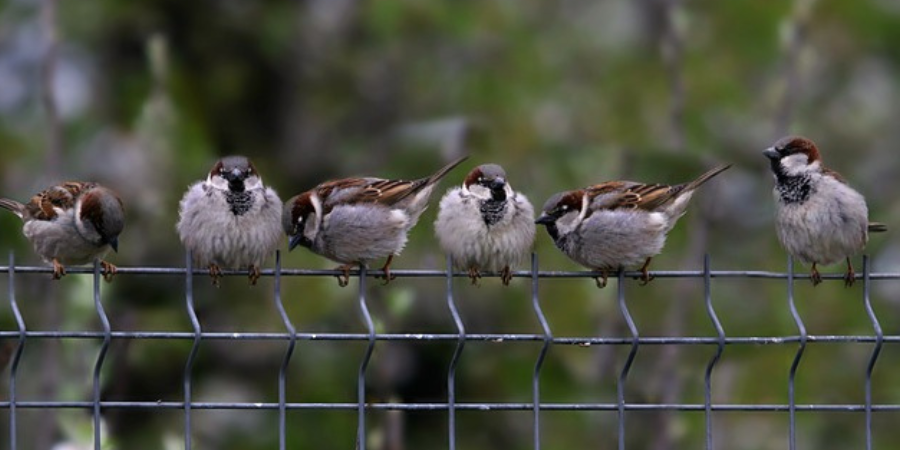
{"x":44,"y":204}
{"x":631,"y":195}
{"x":367,"y":190}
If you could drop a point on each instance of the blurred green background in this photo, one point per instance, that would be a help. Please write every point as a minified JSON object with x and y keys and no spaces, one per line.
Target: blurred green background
{"x":148,"y":93}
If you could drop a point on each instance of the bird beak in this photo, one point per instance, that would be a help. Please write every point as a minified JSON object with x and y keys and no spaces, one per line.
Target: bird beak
{"x":771,"y":153}
{"x":545,"y":219}
{"x":294,"y":241}
{"x":114,"y":243}
{"x":498,"y":184}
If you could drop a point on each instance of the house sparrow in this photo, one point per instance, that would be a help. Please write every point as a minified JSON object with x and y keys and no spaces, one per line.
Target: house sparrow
{"x":819,"y":218}
{"x":231,"y":220}
{"x":617,"y":224}
{"x":485,"y":225}
{"x":72,"y":223}
{"x":356,"y":220}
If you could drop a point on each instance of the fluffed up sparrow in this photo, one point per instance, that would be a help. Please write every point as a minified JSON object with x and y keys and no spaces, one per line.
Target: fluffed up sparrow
{"x":485,"y":225}
{"x":230,"y":220}
{"x":819,"y":218}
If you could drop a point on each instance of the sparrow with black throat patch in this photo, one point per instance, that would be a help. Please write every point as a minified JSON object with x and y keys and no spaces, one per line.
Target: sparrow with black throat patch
{"x":819,"y":218}
{"x":230,"y":220}
{"x":617,"y":224}
{"x":485,"y":225}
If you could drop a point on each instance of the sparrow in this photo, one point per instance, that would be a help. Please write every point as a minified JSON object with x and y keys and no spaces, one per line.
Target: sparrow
{"x":230,"y":220}
{"x":617,"y":224}
{"x":819,"y":218}
{"x":356,"y":220}
{"x":72,"y":223}
{"x":485,"y":225}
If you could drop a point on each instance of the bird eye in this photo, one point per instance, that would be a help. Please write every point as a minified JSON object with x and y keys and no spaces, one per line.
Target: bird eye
{"x":565,"y":207}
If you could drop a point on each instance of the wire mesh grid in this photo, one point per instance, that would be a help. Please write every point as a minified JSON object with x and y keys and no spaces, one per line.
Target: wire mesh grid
{"x":291,"y":337}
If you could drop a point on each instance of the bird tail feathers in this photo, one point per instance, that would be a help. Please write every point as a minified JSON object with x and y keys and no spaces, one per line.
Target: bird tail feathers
{"x":876,"y":227}
{"x":706,"y":177}
{"x":14,"y":206}
{"x":445,"y":170}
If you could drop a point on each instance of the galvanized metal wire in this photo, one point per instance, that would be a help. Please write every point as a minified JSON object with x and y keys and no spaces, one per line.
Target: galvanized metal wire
{"x":545,"y":336}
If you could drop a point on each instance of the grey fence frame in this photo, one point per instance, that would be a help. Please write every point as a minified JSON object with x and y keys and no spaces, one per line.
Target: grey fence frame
{"x":291,"y":336}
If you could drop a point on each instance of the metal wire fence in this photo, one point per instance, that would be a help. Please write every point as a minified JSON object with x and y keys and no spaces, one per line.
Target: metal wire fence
{"x":536,"y":406}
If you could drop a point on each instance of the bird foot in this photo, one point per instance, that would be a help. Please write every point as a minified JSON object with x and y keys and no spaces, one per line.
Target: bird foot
{"x":646,"y":278}
{"x":108,"y":270}
{"x":850,"y":276}
{"x":59,"y":270}
{"x":254,"y":274}
{"x":474,"y":275}
{"x":215,"y":273}
{"x":602,"y":279}
{"x":388,"y":277}
{"x":344,"y":278}
{"x":815,"y":276}
{"x":506,"y":275}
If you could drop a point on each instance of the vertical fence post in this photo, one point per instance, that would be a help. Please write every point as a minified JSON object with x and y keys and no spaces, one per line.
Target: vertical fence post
{"x":101,"y":356}
{"x":454,"y":360}
{"x":539,"y":364}
{"x":282,"y":372}
{"x":17,"y":356}
{"x":720,"y":348}
{"x":370,"y":347}
{"x":792,"y":400}
{"x":879,"y":341}
{"x":195,"y":347}
{"x":620,"y":386}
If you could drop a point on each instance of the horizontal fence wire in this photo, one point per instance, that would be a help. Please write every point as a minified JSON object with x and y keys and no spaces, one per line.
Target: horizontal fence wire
{"x":293,"y":337}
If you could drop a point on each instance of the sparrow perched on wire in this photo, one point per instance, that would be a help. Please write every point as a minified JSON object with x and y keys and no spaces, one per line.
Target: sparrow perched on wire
{"x":819,"y":218}
{"x":485,"y":225}
{"x":230,"y":220}
{"x":617,"y":224}
{"x":72,"y":223}
{"x":356,"y":220}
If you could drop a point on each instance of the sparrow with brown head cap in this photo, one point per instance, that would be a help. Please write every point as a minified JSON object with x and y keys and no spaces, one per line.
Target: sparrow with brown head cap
{"x":231,"y":219}
{"x":485,"y":225}
{"x":357,"y":220}
{"x":617,"y":224}
{"x":819,"y":218}
{"x":72,"y":223}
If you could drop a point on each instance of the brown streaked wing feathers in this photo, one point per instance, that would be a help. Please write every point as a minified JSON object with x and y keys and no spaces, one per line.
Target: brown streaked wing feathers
{"x":633,"y":195}
{"x":371,"y":190}
{"x":378,"y":190}
{"x":41,"y":206}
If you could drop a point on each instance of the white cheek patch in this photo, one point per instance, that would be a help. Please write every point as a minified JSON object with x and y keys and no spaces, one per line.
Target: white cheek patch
{"x":480,"y":191}
{"x":217,"y":182}
{"x":797,"y":164}
{"x":311,"y":227}
{"x":253,"y":182}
